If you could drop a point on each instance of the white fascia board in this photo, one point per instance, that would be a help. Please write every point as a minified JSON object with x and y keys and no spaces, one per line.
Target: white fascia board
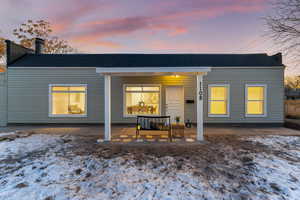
{"x":151,"y":69}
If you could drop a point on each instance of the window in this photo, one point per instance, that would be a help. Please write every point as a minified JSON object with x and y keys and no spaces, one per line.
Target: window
{"x":255,"y":100}
{"x":218,"y":100}
{"x":68,"y":100}
{"x":141,"y":100}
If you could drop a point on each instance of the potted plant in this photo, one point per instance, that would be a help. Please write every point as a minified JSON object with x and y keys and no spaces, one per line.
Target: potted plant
{"x":188,"y":124}
{"x":177,"y":119}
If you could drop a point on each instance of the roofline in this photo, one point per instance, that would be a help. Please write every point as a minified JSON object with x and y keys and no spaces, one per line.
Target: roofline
{"x":223,"y":67}
{"x":183,"y":53}
{"x":151,"y":69}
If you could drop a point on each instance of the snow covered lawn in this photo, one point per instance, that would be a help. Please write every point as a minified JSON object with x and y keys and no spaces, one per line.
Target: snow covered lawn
{"x":49,"y":167}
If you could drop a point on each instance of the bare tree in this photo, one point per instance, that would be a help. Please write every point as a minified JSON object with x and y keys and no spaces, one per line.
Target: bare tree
{"x":30,"y":30}
{"x":292,"y":82}
{"x":284,"y":26}
{"x":2,"y":53}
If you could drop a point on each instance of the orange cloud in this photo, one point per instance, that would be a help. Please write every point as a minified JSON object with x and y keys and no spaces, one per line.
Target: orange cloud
{"x":174,"y":30}
{"x":93,"y":41}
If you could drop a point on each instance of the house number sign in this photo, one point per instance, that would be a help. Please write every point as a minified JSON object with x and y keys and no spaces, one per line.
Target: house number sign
{"x":200,"y":91}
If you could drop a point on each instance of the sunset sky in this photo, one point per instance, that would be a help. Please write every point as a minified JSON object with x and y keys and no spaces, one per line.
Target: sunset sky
{"x":149,"y":26}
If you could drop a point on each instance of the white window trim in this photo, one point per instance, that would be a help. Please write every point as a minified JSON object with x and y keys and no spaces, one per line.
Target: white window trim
{"x":140,"y":85}
{"x":228,"y":100}
{"x":265,"y":99}
{"x":66,"y":85}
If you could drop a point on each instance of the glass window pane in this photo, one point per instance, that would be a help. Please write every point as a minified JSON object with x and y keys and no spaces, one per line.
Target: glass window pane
{"x":77,"y":103}
{"x":218,"y":108}
{"x":60,"y":88}
{"x":80,"y":88}
{"x":218,"y":93}
{"x":255,"y":93}
{"x":68,"y":103}
{"x":129,"y":88}
{"x":151,"y":89}
{"x":60,"y":103}
{"x":255,"y":108}
{"x":142,"y":103}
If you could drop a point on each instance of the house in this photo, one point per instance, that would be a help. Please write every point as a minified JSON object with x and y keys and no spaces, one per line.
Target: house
{"x":113,"y":88}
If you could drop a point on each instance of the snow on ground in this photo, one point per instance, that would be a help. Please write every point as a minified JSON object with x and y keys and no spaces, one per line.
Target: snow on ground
{"x":7,"y":134}
{"x":281,"y":169}
{"x":45,"y":167}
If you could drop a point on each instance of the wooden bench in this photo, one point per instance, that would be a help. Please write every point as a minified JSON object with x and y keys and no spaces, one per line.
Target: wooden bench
{"x":153,"y":123}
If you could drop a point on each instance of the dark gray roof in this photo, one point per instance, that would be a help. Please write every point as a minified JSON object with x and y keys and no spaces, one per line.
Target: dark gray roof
{"x":146,"y":60}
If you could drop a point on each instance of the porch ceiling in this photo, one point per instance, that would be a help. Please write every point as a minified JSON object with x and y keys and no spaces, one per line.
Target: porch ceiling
{"x":152,"y":71}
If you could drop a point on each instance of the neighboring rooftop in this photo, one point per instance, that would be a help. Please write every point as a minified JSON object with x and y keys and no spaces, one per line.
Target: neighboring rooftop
{"x":146,"y":60}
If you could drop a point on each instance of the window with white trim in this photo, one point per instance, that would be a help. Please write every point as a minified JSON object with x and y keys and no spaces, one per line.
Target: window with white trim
{"x":141,"y":100}
{"x":218,"y":100}
{"x":68,"y":100}
{"x":255,"y":100}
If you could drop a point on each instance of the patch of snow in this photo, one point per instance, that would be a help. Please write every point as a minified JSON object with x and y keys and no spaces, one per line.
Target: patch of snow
{"x":89,"y":177}
{"x":7,"y":134}
{"x":23,"y":146}
{"x":281,"y":170}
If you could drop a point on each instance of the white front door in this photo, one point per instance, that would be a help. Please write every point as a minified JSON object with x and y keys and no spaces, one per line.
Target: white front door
{"x":175,"y":102}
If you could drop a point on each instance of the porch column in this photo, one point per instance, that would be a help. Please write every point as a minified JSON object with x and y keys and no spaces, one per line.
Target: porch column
{"x":199,"y":96}
{"x":107,"y":107}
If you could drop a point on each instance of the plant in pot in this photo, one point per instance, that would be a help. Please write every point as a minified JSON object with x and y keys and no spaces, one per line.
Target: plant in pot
{"x":177,"y":119}
{"x":188,"y":123}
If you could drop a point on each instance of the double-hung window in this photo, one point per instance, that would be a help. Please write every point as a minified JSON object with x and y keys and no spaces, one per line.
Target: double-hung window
{"x":68,"y":100}
{"x":218,"y":100}
{"x":141,"y":100}
{"x":255,"y":100}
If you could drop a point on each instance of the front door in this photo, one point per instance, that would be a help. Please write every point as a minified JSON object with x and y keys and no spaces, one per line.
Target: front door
{"x":175,"y":102}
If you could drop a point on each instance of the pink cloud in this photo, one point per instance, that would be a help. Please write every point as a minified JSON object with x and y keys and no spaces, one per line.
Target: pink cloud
{"x":173,"y":10}
{"x":98,"y":30}
{"x":213,"y":12}
{"x":172,"y":18}
{"x":90,"y":41}
{"x":77,"y":10}
{"x":173,"y":30}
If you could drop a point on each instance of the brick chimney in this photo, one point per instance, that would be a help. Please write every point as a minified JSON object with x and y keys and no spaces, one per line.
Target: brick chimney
{"x":39,"y":45}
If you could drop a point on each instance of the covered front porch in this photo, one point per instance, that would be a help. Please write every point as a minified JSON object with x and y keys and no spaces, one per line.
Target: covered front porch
{"x":191,"y":134}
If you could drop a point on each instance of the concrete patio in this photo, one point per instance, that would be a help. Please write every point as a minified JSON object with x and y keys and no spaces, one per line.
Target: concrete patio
{"x":126,"y":133}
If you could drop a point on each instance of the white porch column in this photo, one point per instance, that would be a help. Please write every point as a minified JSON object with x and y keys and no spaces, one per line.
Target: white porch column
{"x":199,"y":96}
{"x":107,"y":107}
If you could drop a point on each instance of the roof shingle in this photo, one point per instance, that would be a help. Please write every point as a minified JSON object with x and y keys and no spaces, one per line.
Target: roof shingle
{"x":147,"y":60}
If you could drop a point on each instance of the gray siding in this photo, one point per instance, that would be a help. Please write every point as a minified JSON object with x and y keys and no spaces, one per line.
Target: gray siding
{"x":28,"y":93}
{"x":238,"y":78}
{"x":3,"y":98}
